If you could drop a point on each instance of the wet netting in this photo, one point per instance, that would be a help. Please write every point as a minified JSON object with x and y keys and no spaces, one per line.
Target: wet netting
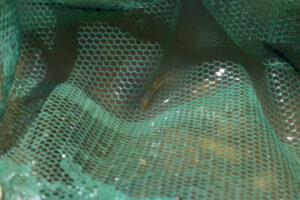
{"x":150,"y":99}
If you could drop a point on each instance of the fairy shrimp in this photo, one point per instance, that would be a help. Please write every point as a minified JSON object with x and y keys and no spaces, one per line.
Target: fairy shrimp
{"x":148,"y":95}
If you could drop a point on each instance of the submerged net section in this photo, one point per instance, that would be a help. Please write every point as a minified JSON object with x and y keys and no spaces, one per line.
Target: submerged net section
{"x":269,"y":32}
{"x":140,"y":99}
{"x":9,"y":48}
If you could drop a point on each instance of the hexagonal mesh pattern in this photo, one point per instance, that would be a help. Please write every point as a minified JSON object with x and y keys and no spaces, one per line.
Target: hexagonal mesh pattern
{"x":9,"y":48}
{"x":140,"y":99}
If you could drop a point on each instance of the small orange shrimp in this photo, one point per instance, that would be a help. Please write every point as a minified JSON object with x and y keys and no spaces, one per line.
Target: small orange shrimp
{"x":147,"y":97}
{"x":143,"y":163}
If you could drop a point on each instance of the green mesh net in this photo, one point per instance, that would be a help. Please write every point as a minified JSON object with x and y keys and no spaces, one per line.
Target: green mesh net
{"x":149,"y":99}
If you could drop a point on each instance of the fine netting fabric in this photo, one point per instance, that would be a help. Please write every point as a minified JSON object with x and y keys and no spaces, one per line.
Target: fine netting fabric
{"x":150,"y":99}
